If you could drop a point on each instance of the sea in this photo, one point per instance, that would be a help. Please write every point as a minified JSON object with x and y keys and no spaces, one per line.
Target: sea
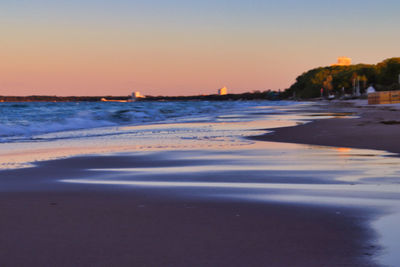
{"x":48,"y":121}
{"x":37,"y":131}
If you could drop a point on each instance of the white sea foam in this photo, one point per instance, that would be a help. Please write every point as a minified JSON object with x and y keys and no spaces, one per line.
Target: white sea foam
{"x":19,"y":122}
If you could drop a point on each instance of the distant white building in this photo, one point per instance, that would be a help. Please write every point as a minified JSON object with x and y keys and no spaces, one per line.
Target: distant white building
{"x":136,"y":95}
{"x":371,"y":90}
{"x":223,"y":91}
{"x":343,"y":61}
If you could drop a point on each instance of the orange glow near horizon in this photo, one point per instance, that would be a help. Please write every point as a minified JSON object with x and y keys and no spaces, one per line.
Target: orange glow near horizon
{"x":85,"y":62}
{"x":165,"y":72}
{"x":178,"y":48}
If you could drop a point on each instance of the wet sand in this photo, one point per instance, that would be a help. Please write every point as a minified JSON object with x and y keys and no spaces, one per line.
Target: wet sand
{"x":48,"y":223}
{"x":377,"y":127}
{"x":138,"y":229}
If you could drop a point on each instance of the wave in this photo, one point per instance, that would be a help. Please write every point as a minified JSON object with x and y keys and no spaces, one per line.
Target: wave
{"x":25,"y":121}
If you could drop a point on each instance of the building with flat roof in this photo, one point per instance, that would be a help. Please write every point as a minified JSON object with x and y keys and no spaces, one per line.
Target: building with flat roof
{"x":136,"y":95}
{"x":343,"y":61}
{"x":223,"y":91}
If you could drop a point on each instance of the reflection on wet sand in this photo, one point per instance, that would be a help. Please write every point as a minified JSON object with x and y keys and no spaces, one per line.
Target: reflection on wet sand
{"x":269,"y":172}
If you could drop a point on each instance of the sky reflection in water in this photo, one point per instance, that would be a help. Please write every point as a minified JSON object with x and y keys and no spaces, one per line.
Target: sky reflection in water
{"x":266,"y":171}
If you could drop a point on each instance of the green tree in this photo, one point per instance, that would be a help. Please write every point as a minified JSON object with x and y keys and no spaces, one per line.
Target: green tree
{"x":383,"y":75}
{"x":328,"y":83}
{"x":388,"y":71}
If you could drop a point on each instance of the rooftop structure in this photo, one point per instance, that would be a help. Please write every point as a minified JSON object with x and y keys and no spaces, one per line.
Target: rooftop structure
{"x":223,"y":91}
{"x":343,"y":61}
{"x":136,"y":95}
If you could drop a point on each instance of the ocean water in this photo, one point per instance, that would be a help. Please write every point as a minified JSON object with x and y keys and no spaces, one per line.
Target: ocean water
{"x":38,"y":121}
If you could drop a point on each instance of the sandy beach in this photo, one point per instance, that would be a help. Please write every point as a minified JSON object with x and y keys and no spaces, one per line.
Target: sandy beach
{"x":262,"y":204}
{"x":374,"y":127}
{"x":45,"y":223}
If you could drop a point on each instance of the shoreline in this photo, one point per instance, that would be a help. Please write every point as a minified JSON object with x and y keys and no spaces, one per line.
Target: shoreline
{"x":64,"y":224}
{"x":266,"y":95}
{"x":375,"y":127}
{"x":368,"y":127}
{"x":103,"y":219}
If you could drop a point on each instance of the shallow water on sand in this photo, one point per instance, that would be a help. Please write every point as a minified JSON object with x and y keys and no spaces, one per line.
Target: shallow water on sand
{"x":268,"y":172}
{"x":34,"y":132}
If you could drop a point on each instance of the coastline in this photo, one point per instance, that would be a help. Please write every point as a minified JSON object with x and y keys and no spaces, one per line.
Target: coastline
{"x":368,"y":127}
{"x":54,"y":223}
{"x":199,"y":206}
{"x":373,"y":127}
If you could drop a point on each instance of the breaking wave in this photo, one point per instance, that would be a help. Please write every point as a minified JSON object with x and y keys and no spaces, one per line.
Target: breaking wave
{"x":24,"y":121}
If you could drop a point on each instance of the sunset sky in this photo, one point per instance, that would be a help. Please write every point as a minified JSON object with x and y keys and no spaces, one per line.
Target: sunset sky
{"x":181,"y":47}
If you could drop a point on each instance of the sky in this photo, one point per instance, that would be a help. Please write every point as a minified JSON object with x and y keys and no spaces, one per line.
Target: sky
{"x":177,"y":47}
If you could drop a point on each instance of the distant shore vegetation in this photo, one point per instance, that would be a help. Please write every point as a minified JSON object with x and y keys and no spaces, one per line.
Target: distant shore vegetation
{"x":337,"y":80}
{"x":255,"y":95}
{"x":333,"y":80}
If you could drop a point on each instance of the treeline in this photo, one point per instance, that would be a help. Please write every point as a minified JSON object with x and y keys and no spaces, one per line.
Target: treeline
{"x":45,"y":98}
{"x":256,"y":95}
{"x":384,"y":76}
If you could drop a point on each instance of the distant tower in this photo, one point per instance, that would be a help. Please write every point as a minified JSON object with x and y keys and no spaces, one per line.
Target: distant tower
{"x":343,"y":61}
{"x":223,"y":91}
{"x":136,"y":95}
